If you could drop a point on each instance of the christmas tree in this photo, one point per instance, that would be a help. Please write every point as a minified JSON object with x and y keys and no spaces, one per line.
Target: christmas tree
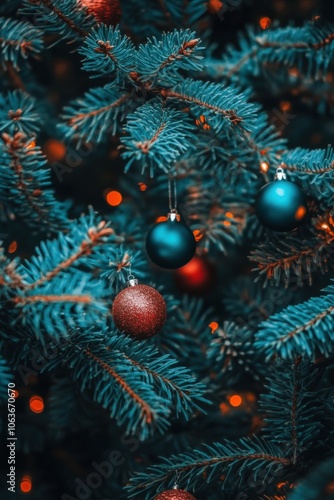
{"x":167,"y":227}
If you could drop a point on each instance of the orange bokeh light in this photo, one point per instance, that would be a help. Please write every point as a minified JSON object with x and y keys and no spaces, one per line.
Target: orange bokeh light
{"x":250,"y":397}
{"x":235,"y":400}
{"x":265,"y":23}
{"x":293,"y":72}
{"x":301,"y":211}
{"x":330,"y":487}
{"x":213,"y":325}
{"x":12,"y":247}
{"x":264,"y":166}
{"x":224,"y":408}
{"x":214,"y":6}
{"x":16,"y":394}
{"x":26,"y":484}
{"x":142,"y":186}
{"x":54,"y":150}
{"x":114,"y":198}
{"x":285,"y":106}
{"x":36,"y":404}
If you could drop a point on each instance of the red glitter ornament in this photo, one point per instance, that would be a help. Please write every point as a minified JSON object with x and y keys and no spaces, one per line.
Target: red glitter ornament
{"x":196,"y":277}
{"x":139,"y":311}
{"x":105,"y":11}
{"x":175,"y":495}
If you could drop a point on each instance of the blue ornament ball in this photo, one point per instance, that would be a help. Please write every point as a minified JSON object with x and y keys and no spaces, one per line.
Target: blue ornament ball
{"x":170,"y":244}
{"x":281,"y":206}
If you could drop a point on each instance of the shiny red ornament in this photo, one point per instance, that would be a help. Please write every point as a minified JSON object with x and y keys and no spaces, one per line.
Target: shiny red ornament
{"x":175,"y":495}
{"x":196,"y":277}
{"x":104,"y":11}
{"x":139,"y":311}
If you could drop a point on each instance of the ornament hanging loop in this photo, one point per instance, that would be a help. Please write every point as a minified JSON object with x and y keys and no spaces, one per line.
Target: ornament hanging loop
{"x":131,"y":281}
{"x":280,"y":174}
{"x":176,"y":480}
{"x":172,"y":193}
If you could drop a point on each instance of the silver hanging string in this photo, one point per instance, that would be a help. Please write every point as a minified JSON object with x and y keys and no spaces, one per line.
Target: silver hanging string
{"x":131,"y":281}
{"x":176,"y":480}
{"x":172,"y":193}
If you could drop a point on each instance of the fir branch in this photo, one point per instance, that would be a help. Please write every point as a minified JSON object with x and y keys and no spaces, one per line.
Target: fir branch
{"x":267,"y":143}
{"x":119,"y":264}
{"x":292,"y":260}
{"x":12,"y":145}
{"x":160,"y":61}
{"x":94,"y":115}
{"x":237,"y":459}
{"x":109,"y":53}
{"x":319,"y":38}
{"x":78,"y":248}
{"x":293,"y":408}
{"x":301,"y":330}
{"x":146,"y":412}
{"x":222,"y":107}
{"x":18,"y":40}
{"x":171,"y":381}
{"x":248,"y":57}
{"x":309,"y":162}
{"x":314,"y":169}
{"x":63,"y":17}
{"x":24,"y":174}
{"x":231,"y":354}
{"x":18,"y":113}
{"x":233,"y":163}
{"x":157,"y":136}
{"x":9,"y":277}
{"x":309,"y":48}
{"x":187,"y":331}
{"x":248,"y":304}
{"x":53,"y":308}
{"x":220,"y":217}
{"x":77,"y":299}
{"x":116,"y":383}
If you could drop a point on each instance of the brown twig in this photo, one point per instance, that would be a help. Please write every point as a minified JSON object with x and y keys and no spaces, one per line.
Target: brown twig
{"x":146,"y":410}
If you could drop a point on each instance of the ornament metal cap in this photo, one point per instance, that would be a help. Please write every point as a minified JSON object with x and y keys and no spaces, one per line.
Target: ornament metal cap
{"x":132,"y":281}
{"x":280,"y":174}
{"x":173,"y":215}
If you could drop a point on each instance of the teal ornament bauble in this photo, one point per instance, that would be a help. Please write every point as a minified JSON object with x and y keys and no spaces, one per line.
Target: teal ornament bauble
{"x":281,"y":206}
{"x":171,"y":244}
